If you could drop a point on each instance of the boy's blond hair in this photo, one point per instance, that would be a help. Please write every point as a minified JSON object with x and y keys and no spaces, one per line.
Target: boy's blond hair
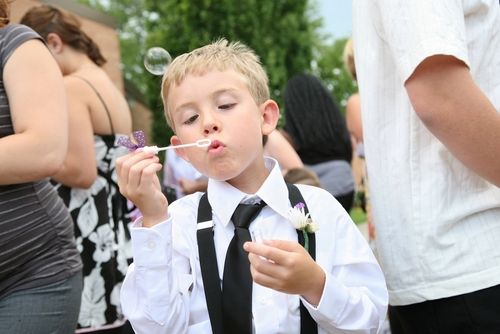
{"x":220,"y":55}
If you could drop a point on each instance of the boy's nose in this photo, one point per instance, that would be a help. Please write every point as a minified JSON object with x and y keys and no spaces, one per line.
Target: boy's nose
{"x":210,"y":124}
{"x":211,"y":127}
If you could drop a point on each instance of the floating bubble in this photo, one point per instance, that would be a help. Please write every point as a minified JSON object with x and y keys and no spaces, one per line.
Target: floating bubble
{"x":156,"y":60}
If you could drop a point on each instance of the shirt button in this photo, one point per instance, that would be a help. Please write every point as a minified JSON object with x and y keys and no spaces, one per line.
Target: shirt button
{"x":151,"y":245}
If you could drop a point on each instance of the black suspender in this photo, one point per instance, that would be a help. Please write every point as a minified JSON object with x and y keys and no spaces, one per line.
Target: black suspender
{"x":307,"y":323}
{"x":208,"y":263}
{"x":210,"y":273}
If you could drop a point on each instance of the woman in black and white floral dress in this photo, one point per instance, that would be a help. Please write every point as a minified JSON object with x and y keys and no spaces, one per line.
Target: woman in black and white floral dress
{"x":87,"y":182}
{"x":102,"y":237}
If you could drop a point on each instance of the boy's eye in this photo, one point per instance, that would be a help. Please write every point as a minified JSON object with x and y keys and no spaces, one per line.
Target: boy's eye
{"x":191,"y":119}
{"x":226,"y":106}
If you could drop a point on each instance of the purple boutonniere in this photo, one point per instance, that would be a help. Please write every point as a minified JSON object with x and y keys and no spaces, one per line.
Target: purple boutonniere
{"x":302,"y":222}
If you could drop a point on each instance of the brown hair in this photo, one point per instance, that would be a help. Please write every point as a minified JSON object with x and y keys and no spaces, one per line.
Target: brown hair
{"x":46,"y":19}
{"x":302,"y":175}
{"x":4,"y":13}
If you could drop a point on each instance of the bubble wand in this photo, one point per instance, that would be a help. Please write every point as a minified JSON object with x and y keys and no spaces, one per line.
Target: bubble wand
{"x":156,"y":149}
{"x":140,"y":143}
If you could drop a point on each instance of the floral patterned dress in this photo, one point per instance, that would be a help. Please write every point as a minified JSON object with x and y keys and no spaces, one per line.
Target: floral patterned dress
{"x":102,"y":234}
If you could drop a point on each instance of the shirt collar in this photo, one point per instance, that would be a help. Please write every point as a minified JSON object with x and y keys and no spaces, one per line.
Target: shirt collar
{"x":224,"y":198}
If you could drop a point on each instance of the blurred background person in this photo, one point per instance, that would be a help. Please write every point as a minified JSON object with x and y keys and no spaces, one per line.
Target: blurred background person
{"x":98,"y":114}
{"x":180,"y":178}
{"x":355,"y":126}
{"x":430,"y":97}
{"x":302,"y":175}
{"x":319,"y":134}
{"x":40,"y":268}
{"x":279,"y":148}
{"x":353,"y":107}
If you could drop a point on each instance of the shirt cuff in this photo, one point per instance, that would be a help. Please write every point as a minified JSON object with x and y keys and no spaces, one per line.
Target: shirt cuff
{"x":332,"y":302}
{"x":151,"y":246}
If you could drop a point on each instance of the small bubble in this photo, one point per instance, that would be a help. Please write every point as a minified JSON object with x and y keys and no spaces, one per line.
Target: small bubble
{"x":156,"y":60}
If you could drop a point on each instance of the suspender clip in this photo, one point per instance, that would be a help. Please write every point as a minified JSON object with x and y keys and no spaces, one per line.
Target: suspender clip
{"x":205,"y":224}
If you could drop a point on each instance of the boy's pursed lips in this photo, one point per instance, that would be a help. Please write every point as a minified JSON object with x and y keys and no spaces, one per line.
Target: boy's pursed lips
{"x":216,"y":146}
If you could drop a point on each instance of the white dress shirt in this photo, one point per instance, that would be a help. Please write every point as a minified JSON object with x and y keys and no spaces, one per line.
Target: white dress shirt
{"x":437,"y":222}
{"x":163,"y":290}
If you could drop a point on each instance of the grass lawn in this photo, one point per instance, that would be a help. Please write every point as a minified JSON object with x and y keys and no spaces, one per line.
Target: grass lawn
{"x":357,"y":215}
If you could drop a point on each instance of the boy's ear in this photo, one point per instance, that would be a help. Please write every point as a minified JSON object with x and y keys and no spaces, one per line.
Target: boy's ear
{"x":174,"y":140}
{"x":54,"y":43}
{"x":270,"y":116}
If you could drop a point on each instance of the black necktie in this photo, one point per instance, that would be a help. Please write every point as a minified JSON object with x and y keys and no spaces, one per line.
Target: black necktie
{"x":237,"y":280}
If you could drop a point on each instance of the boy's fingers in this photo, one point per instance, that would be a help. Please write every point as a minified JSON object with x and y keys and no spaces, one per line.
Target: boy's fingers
{"x":285,"y":245}
{"x":138,"y":168}
{"x":148,"y":174}
{"x":264,"y":277}
{"x":124,"y":163}
{"x":140,"y":171}
{"x":263,"y":265}
{"x":268,"y":251}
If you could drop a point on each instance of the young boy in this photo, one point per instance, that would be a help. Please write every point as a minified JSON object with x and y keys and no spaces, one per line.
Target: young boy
{"x":182,"y":282}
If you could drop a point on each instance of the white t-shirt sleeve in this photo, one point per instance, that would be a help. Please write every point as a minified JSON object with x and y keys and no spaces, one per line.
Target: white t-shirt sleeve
{"x":416,"y":30}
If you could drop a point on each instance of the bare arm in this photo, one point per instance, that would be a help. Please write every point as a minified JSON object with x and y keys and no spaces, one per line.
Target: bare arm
{"x":353,"y":118}
{"x":279,"y":148}
{"x":37,"y":102}
{"x":192,"y":186}
{"x":79,"y":168}
{"x":458,"y":113}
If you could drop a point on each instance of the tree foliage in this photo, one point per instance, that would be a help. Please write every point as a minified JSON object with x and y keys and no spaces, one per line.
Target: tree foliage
{"x":284,"y":33}
{"x":329,"y":66}
{"x":281,"y":32}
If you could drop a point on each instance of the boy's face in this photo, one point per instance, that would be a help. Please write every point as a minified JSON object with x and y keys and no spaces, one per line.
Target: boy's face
{"x":218,"y":106}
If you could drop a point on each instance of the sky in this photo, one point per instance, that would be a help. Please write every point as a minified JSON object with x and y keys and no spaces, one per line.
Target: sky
{"x":337,"y":16}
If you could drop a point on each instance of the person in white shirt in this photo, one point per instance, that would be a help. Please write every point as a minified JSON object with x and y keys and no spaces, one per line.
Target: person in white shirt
{"x":220,"y":92}
{"x":428,"y":74}
{"x":182,"y":176}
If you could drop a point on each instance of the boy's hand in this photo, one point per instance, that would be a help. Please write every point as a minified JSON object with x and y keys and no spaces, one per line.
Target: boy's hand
{"x":139,"y":183}
{"x":289,"y":268}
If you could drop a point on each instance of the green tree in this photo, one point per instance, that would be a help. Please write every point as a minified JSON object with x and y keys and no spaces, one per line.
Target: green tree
{"x":131,"y":18}
{"x":329,"y":66}
{"x":283,"y":33}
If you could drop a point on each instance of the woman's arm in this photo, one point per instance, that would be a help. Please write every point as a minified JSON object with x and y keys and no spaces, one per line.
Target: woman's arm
{"x":79,"y":168}
{"x":35,"y":90}
{"x":278,"y":147}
